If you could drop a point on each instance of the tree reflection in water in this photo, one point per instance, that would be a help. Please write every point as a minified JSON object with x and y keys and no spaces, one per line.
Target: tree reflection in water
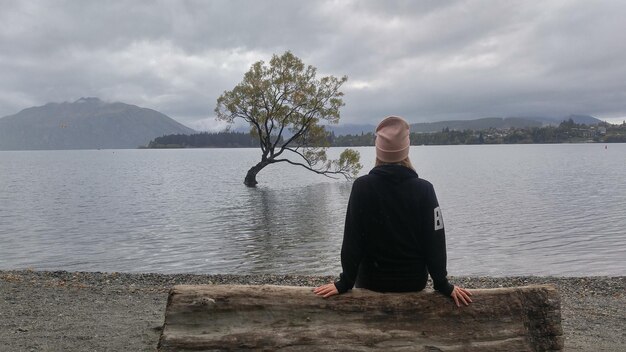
{"x":292,"y":231}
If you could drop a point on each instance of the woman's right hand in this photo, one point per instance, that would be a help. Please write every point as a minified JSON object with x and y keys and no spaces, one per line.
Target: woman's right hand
{"x":459,"y":294}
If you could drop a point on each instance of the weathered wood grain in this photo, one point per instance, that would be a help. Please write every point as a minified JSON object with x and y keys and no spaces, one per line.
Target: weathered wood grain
{"x":281,"y":318}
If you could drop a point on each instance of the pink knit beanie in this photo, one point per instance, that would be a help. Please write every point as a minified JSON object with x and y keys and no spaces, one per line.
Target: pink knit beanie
{"x":392,"y":139}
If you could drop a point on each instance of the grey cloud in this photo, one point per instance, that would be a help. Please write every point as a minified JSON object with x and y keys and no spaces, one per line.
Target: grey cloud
{"x":427,"y":60}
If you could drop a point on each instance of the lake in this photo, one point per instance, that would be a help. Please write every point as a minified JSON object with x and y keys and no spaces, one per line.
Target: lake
{"x":508,"y":210}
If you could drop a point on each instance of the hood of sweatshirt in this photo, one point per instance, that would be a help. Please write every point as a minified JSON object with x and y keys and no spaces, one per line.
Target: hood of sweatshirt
{"x":394,"y":173}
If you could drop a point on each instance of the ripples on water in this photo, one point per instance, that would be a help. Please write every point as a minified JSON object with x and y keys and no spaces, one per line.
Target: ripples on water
{"x":508,"y":210}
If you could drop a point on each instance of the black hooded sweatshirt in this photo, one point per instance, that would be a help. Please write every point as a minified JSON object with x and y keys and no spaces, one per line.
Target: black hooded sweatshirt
{"x":393,"y":236}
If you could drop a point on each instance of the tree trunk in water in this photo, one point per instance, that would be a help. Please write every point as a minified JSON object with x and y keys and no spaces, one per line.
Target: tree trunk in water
{"x":250,"y":179}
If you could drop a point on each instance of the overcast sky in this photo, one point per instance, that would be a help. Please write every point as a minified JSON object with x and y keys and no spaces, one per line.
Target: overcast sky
{"x":425,"y":60}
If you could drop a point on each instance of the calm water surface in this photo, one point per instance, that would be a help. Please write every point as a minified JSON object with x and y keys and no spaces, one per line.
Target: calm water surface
{"x":508,"y":210}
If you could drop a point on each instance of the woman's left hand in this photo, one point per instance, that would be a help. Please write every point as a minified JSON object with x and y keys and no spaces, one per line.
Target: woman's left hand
{"x":461,"y":295}
{"x":326,"y":290}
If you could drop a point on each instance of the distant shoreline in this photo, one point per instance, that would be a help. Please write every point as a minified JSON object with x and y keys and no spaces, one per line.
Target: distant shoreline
{"x":372,"y":146}
{"x":566,"y":132}
{"x":345,"y":146}
{"x":79,"y":311}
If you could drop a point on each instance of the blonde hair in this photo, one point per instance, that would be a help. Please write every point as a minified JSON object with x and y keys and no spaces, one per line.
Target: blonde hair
{"x":406,"y":162}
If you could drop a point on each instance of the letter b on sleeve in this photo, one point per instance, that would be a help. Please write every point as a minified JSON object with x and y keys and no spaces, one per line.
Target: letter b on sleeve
{"x":438,"y":219}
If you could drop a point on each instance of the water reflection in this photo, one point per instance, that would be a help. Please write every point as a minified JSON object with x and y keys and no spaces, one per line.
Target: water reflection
{"x":286,"y":226}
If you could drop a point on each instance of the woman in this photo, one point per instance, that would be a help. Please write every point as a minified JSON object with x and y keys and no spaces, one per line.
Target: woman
{"x":394,"y":235}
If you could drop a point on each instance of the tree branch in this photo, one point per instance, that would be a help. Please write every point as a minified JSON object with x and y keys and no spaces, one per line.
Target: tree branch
{"x":326,"y":173}
{"x":283,"y":124}
{"x":305,"y":126}
{"x":301,"y":155}
{"x":259,"y":132}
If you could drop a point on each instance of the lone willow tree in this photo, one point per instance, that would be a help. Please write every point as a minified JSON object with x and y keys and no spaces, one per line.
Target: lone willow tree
{"x":285,"y":104}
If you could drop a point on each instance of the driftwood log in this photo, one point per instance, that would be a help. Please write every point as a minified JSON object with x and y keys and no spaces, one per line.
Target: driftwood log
{"x":281,"y":318}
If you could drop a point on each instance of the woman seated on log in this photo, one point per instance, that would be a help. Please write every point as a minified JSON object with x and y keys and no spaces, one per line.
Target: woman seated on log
{"x":394,"y":235}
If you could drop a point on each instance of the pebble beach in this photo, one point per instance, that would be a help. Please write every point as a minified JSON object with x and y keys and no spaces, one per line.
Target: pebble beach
{"x":92,"y":311}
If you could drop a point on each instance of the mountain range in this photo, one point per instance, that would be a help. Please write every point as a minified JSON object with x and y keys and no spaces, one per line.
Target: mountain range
{"x":90,"y":123}
{"x":476,"y":124}
{"x":87,"y":123}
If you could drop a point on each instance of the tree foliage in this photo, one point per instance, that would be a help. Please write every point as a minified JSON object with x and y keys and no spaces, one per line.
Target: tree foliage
{"x":286,"y":107}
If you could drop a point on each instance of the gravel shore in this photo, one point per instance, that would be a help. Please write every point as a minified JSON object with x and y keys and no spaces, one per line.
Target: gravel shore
{"x":79,"y":311}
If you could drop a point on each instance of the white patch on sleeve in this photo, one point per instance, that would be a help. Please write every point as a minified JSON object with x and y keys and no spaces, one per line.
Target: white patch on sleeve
{"x":438,"y":219}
